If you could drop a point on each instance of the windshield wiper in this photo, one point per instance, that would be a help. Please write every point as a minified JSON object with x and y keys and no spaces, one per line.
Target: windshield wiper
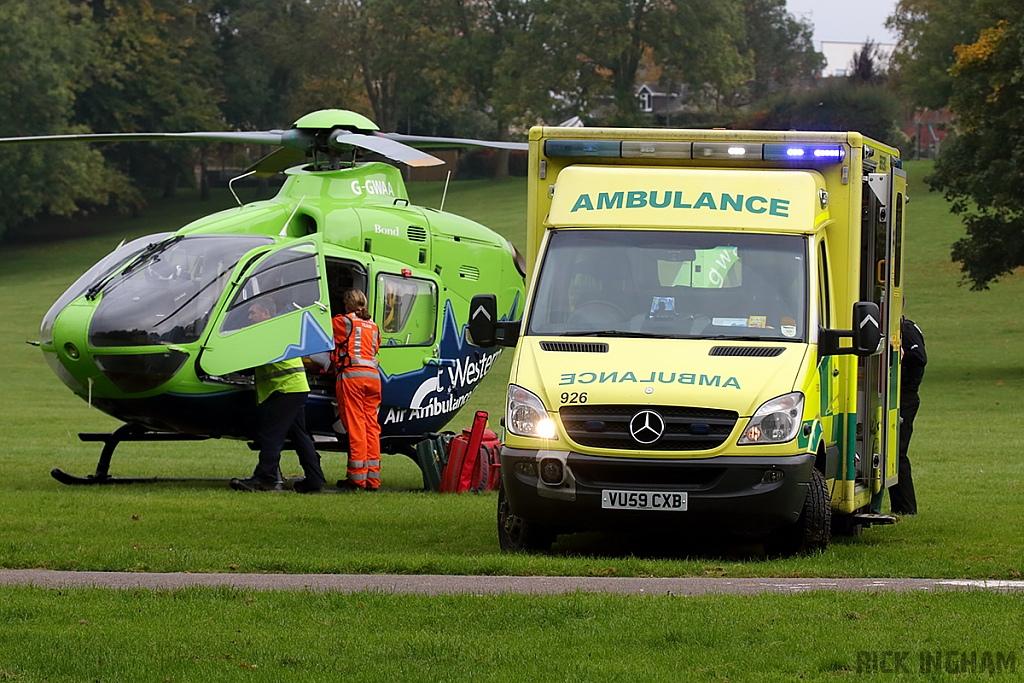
{"x":143,"y":257}
{"x":618,"y":333}
{"x":729,"y":337}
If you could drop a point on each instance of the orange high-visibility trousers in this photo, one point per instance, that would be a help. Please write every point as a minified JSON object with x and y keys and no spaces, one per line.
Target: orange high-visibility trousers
{"x":358,"y":401}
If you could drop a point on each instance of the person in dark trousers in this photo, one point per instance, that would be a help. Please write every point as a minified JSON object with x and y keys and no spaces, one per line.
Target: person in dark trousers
{"x":901,"y":496}
{"x":281,"y":390}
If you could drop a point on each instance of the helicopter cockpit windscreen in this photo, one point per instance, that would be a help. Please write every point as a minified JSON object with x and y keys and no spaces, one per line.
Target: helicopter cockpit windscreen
{"x":166,"y":296}
{"x":106,"y":266}
{"x":640,"y":283}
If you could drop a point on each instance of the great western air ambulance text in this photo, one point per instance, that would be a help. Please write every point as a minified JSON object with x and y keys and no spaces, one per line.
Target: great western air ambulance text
{"x":569,"y":378}
{"x":669,"y":199}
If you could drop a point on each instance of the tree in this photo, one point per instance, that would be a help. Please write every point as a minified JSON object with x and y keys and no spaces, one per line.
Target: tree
{"x":495,"y":61}
{"x":865,"y":66}
{"x":603,"y":42}
{"x":928,"y":32}
{"x":981,"y":170}
{"x":154,"y":71}
{"x":44,"y":47}
{"x":845,"y":105}
{"x":782,"y":46}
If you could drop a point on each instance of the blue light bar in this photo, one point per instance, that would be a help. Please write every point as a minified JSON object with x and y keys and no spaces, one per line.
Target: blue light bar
{"x":800,"y":152}
{"x":583,"y":148}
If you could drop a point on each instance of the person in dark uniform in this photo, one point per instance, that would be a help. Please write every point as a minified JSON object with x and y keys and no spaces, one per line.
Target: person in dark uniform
{"x":901,"y":496}
{"x":281,"y":390}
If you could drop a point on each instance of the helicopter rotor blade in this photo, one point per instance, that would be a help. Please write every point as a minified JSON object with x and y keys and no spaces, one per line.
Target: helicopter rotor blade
{"x":276,"y":162}
{"x":432,"y":142}
{"x":295,"y":138}
{"x":392,"y":149}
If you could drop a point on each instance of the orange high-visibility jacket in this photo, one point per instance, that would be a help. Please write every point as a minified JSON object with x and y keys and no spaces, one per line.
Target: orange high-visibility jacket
{"x":356,"y":344}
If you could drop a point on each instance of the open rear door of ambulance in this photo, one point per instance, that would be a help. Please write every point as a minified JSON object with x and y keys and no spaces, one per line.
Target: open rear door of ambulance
{"x":277,"y":308}
{"x":893,"y":311}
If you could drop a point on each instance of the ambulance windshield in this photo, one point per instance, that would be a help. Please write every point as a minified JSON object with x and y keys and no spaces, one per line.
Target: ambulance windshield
{"x":638,"y":283}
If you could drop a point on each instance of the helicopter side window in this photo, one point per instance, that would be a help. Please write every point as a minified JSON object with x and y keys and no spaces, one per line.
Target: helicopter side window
{"x":406,"y":310}
{"x":285,"y":281}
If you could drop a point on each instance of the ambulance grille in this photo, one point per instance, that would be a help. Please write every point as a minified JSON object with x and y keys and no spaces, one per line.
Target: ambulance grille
{"x":469,"y":272}
{"x":575,"y":347}
{"x":686,"y":429}
{"x":749,"y":351}
{"x":416,"y":233}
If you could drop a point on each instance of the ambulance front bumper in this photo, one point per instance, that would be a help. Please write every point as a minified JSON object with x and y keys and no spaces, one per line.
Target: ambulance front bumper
{"x":747,"y":494}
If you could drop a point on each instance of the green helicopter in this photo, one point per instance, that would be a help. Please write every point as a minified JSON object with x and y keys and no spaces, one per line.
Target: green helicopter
{"x":157,"y":333}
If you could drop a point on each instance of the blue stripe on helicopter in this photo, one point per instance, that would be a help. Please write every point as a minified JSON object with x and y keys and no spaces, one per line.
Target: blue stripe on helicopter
{"x":312,"y":339}
{"x":425,"y":399}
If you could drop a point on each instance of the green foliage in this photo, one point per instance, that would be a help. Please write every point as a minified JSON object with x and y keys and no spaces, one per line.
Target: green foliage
{"x":45,"y":47}
{"x":782,"y":46}
{"x":929,"y":31}
{"x":604,"y":41}
{"x":981,"y":170}
{"x":845,"y":105}
{"x":155,"y":72}
{"x":485,"y":69}
{"x":866,"y":65}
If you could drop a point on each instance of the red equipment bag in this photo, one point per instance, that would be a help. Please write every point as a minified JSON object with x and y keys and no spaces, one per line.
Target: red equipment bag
{"x":487,"y":472}
{"x":472,"y":459}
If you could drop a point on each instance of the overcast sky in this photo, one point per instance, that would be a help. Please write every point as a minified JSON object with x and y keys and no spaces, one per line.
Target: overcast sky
{"x":845,"y":20}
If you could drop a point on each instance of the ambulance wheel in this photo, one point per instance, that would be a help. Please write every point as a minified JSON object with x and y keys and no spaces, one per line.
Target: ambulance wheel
{"x":810,"y":533}
{"x":516,"y":535}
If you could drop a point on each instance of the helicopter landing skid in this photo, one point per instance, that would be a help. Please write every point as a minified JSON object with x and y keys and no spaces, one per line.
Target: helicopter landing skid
{"x":128,"y":432}
{"x":93,"y":480}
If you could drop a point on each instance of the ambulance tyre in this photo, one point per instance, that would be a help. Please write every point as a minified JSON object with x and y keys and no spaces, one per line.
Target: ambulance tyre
{"x":516,"y":535}
{"x":810,"y":533}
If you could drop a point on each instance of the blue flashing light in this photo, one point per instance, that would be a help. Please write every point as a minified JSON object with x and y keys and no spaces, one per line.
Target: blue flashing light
{"x":799,"y":152}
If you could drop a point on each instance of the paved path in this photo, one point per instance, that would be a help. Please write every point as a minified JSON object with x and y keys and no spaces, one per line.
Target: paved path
{"x":481,"y":585}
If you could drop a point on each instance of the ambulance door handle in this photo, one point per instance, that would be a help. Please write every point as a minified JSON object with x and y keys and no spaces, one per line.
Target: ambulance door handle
{"x":320,"y":306}
{"x":835,"y":372}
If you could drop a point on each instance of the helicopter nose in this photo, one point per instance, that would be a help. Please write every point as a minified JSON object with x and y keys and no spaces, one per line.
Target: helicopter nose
{"x":68,"y":354}
{"x":110,"y":374}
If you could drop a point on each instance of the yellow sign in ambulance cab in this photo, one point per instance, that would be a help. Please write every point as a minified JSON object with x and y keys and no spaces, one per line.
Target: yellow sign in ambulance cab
{"x":710,"y":339}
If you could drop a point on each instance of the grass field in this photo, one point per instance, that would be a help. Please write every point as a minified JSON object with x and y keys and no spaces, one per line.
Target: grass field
{"x":226,"y":635}
{"x":968,"y":472}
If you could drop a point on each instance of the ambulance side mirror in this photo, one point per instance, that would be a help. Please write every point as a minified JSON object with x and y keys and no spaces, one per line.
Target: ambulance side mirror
{"x":484,"y":327}
{"x":867,"y":328}
{"x":865,"y":335}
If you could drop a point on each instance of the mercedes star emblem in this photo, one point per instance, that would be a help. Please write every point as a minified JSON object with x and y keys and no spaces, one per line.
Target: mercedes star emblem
{"x":647,"y":426}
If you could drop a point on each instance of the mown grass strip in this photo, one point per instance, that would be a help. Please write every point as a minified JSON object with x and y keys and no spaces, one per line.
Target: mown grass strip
{"x":226,"y":635}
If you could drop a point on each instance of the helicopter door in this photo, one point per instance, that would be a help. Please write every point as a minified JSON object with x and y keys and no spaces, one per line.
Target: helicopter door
{"x":278,"y":308}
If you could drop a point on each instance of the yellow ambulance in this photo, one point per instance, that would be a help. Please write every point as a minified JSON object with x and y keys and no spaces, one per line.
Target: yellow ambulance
{"x":710,"y":339}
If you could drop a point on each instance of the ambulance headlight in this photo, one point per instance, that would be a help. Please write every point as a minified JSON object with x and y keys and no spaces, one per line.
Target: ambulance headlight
{"x":776,"y":421}
{"x":527,"y":416}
